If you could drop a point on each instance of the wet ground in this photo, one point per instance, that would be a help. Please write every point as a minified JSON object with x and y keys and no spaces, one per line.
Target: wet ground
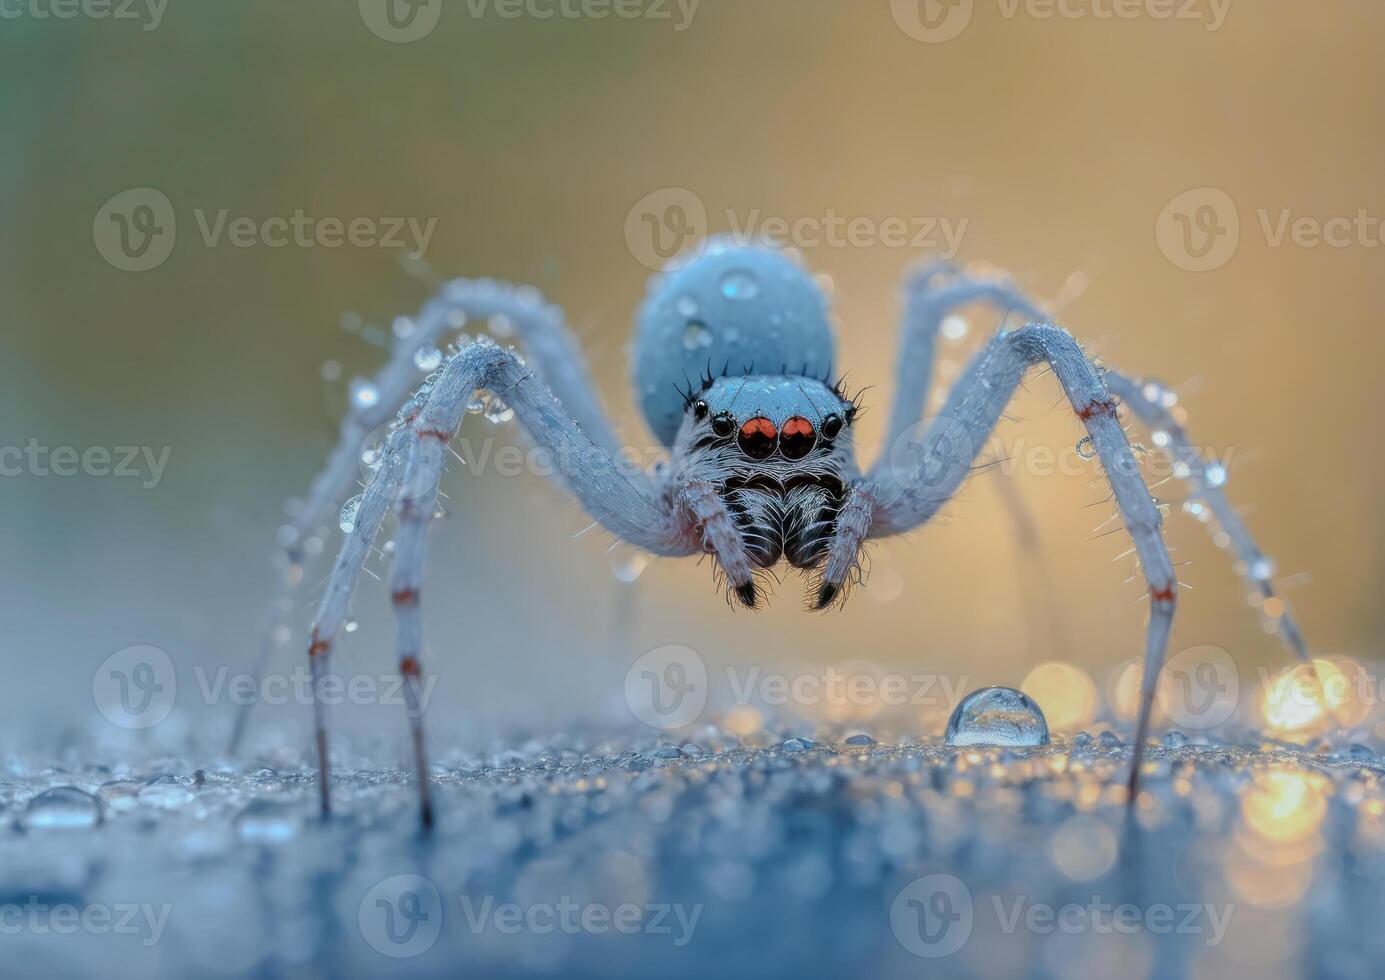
{"x":857,"y":855}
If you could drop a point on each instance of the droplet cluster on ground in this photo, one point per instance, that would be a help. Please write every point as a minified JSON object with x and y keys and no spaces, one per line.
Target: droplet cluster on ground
{"x":796,"y":854}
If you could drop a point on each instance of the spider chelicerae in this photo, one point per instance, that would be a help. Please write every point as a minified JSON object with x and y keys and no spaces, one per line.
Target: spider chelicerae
{"x":733,"y":355}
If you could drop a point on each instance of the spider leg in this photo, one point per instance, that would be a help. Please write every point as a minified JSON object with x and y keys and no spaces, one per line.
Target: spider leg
{"x":1206,"y":479}
{"x":628,"y":505}
{"x":911,"y":483}
{"x":551,"y":346}
{"x":931,"y":292}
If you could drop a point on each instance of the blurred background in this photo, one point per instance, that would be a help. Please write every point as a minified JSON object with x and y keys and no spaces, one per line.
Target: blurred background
{"x":1061,"y":147}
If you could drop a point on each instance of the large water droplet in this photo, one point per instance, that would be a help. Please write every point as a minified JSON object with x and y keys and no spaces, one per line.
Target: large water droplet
{"x":696,"y":335}
{"x":740,"y":284}
{"x":62,"y":808}
{"x":427,"y":357}
{"x":997,"y":716}
{"x":349,"y":510}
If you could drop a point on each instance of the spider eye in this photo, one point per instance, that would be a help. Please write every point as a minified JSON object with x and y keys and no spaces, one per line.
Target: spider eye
{"x":757,"y":438}
{"x":797,"y":438}
{"x":831,"y":426}
{"x":700,"y":408}
{"x":723,"y":425}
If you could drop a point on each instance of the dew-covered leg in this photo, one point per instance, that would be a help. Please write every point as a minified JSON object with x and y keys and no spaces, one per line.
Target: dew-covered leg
{"x":1207,"y":479}
{"x":931,"y":292}
{"x":540,"y":327}
{"x":625,"y":502}
{"x":941,"y":458}
{"x":332,"y":610}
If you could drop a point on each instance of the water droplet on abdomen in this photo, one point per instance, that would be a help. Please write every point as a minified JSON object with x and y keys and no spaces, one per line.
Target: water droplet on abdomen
{"x":997,"y":716}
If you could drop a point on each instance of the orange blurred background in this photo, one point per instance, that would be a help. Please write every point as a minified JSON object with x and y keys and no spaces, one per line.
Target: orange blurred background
{"x":1058,"y":141}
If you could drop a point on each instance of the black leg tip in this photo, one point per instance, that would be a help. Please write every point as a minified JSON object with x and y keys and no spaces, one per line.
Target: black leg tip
{"x":827,"y":593}
{"x":746,"y":593}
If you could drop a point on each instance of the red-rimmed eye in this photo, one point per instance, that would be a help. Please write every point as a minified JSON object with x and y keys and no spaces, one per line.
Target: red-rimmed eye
{"x":757,"y":438}
{"x":797,"y":438}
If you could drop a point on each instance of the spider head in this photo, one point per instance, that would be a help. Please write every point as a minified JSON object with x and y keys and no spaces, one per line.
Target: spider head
{"x":778,"y":450}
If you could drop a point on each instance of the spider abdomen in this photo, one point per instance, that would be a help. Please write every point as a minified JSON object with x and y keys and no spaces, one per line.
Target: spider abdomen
{"x":735,"y":308}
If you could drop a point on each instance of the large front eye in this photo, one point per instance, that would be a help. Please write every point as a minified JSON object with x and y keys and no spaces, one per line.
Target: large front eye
{"x":757,"y":438}
{"x":797,"y":438}
{"x":723,"y":425}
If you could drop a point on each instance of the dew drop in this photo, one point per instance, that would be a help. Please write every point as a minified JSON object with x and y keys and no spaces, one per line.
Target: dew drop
{"x":955,"y":327}
{"x":349,"y":510}
{"x":696,"y":335}
{"x":1361,"y":752}
{"x":799,"y":744}
{"x":1085,"y":449}
{"x":740,"y":284}
{"x":501,"y":325}
{"x":267,"y":822}
{"x":1262,"y":570}
{"x":351,"y":626}
{"x":1214,"y":475}
{"x":1175,"y":739}
{"x":62,"y":808}
{"x":1109,"y":740}
{"x":403,"y":327}
{"x":166,"y":792}
{"x":428,"y":357}
{"x":364,"y":394}
{"x":686,"y":305}
{"x":629,"y":568}
{"x":497,"y":411}
{"x":997,"y":716}
{"x":860,"y":740}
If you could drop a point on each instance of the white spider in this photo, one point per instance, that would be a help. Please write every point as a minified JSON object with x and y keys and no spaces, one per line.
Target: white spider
{"x":760,"y":465}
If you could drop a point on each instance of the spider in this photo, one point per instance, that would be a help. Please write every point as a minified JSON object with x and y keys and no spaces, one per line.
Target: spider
{"x":733,"y":356}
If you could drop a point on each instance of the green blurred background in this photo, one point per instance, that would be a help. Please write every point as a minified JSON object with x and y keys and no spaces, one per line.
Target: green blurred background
{"x":1060,"y":141}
